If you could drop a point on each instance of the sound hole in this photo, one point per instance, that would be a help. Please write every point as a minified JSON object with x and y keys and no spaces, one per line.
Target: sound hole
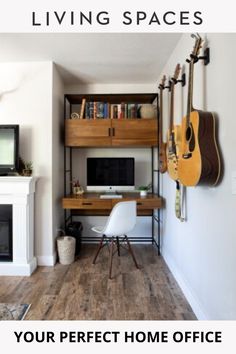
{"x":190,"y":138}
{"x":188,"y":133}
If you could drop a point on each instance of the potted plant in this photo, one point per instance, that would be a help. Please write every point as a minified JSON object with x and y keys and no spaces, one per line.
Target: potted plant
{"x":144,"y":189}
{"x":28,"y":168}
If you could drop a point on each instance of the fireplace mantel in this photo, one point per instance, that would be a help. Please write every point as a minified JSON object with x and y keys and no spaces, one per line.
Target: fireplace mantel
{"x":19,"y":192}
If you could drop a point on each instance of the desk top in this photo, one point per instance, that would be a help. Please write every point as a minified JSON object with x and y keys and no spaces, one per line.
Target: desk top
{"x":93,"y":201}
{"x":125,"y":195}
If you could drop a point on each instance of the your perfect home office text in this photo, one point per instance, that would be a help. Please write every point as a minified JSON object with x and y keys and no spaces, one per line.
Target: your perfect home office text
{"x":118,"y":336}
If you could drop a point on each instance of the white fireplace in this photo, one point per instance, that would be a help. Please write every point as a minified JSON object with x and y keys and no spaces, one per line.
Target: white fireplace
{"x":19,"y":192}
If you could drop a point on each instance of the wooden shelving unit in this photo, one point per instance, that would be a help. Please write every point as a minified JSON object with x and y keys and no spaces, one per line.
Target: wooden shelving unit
{"x":110,"y":132}
{"x":105,"y":132}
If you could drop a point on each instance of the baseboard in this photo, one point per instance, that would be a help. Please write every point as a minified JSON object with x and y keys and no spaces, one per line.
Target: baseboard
{"x":188,"y":292}
{"x":47,"y":260}
{"x":18,"y":269}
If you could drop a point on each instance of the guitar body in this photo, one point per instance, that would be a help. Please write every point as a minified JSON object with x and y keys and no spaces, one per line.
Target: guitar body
{"x":162,"y":158}
{"x":173,"y":147}
{"x":202,"y":166}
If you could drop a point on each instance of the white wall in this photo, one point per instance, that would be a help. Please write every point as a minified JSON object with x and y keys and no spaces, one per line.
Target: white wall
{"x":201,"y":251}
{"x":26,"y":99}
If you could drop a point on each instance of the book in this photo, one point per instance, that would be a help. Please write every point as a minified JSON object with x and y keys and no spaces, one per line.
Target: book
{"x":100,"y":109}
{"x":115,"y":111}
{"x":119,"y":111}
{"x":94,"y":110}
{"x":122,"y":110}
{"x":87,"y":110}
{"x":82,"y":109}
{"x":91,"y":110}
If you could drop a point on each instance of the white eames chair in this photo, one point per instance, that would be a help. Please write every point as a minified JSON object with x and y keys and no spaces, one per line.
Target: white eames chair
{"x":121,"y":221}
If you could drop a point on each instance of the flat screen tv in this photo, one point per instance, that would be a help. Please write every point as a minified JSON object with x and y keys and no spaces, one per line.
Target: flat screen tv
{"x":110,"y":173}
{"x":9,"y":148}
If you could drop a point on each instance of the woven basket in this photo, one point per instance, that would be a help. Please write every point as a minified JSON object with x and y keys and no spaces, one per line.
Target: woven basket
{"x":66,"y":249}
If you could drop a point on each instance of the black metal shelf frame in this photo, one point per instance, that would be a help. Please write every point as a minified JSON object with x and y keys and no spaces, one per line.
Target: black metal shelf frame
{"x":156,"y":215}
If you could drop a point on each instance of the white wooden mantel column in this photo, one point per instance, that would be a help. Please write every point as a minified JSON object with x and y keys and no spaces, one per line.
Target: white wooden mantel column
{"x":19,"y":192}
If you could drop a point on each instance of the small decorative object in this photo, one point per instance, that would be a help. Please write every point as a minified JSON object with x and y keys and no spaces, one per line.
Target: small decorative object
{"x":74,"y":115}
{"x":28,"y":168}
{"x":144,"y":189}
{"x":148,"y":111}
{"x":76,"y":187}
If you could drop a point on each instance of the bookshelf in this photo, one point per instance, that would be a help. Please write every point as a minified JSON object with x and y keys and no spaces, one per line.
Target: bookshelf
{"x":107,"y":131}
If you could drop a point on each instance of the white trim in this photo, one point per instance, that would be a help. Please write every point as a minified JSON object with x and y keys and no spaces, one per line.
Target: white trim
{"x":19,"y":192}
{"x":18,"y":269}
{"x":188,"y":292}
{"x":47,"y":260}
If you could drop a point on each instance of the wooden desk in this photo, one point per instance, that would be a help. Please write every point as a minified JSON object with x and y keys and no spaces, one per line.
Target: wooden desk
{"x":92,"y":204}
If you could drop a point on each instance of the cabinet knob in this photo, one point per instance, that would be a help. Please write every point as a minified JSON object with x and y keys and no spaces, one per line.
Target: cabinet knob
{"x":84,"y":203}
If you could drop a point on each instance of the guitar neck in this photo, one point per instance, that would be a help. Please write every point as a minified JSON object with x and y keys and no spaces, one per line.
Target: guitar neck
{"x":160,"y":117}
{"x":171,"y":123}
{"x":190,"y":92}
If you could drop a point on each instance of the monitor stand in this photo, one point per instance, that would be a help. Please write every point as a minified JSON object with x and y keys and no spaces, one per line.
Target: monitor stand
{"x":110,"y":195}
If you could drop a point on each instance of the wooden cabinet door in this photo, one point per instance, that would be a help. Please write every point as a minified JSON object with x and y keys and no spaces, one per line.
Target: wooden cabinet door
{"x":88,"y":132}
{"x":134,"y":132}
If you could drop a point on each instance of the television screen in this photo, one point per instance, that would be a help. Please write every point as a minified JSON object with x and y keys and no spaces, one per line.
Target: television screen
{"x":110,"y":172}
{"x":9,"y":139}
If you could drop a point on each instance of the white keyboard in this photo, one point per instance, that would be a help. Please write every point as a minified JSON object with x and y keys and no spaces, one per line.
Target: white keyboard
{"x":110,"y":196}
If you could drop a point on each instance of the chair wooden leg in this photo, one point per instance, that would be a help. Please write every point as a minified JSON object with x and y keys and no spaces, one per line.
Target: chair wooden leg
{"x":99,"y":249}
{"x":118,"y":245}
{"x":131,"y":252}
{"x":111,"y":257}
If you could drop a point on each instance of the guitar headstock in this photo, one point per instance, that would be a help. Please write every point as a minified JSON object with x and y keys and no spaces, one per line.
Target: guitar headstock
{"x":197,"y":45}
{"x":162,"y":84}
{"x":177,"y":72}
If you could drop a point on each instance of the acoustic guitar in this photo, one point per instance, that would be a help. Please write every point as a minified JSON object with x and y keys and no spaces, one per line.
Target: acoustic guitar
{"x":162,"y":145}
{"x":199,"y":161}
{"x":174,"y":133}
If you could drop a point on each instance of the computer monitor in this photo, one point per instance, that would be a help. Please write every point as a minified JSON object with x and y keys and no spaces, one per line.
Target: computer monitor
{"x":110,"y":174}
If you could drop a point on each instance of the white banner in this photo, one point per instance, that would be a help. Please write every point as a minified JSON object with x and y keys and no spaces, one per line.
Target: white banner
{"x":117,"y":16}
{"x":113,"y":337}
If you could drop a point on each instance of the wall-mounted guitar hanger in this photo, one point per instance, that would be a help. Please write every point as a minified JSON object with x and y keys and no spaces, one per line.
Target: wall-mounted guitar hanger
{"x":205,"y":57}
{"x":183,"y":80}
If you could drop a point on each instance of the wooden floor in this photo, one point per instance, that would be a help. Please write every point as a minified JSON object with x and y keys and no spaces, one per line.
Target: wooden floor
{"x":82,"y":291}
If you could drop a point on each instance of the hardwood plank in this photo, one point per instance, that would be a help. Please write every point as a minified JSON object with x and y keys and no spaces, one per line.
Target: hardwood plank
{"x":82,"y":291}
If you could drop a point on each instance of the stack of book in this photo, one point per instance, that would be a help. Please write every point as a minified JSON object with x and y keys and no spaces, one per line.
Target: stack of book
{"x":106,"y":110}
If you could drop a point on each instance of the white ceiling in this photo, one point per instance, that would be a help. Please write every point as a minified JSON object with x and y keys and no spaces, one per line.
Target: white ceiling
{"x":94,"y":58}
